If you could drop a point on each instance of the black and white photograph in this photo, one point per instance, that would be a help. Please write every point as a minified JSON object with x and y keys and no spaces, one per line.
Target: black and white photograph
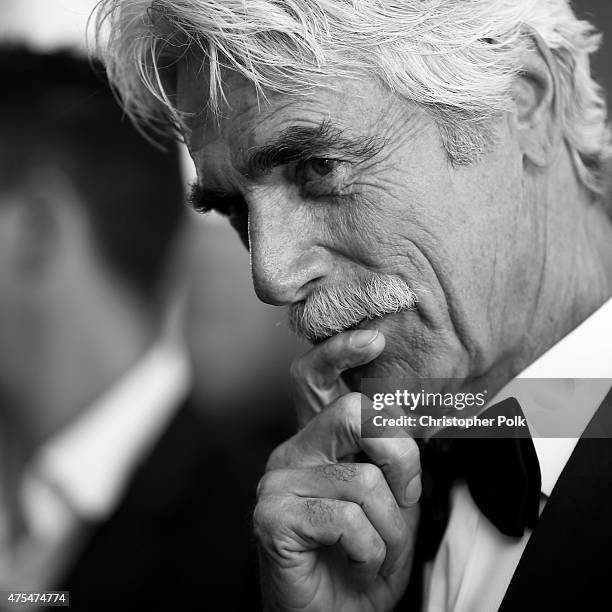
{"x":306,"y":305}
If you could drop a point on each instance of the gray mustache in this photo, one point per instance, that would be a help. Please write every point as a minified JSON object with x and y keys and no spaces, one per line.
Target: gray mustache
{"x":331,"y":309}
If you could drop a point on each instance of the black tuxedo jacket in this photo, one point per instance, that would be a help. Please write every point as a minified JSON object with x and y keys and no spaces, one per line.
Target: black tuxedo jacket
{"x":567,"y":563}
{"x":181,"y":537}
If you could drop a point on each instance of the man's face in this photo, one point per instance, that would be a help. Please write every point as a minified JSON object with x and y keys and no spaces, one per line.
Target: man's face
{"x":351,"y":181}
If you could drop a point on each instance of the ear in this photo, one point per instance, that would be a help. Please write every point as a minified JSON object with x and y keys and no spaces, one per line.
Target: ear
{"x":538,"y":113}
{"x":37,"y":230}
{"x":47,"y":224}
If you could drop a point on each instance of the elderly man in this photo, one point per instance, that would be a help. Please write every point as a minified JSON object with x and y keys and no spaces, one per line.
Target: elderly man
{"x":422,"y":184}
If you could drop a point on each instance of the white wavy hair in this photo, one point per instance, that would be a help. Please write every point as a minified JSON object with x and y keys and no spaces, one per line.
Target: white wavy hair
{"x":455,"y":58}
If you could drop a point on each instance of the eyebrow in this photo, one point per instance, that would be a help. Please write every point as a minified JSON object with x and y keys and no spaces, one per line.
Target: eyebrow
{"x":299,"y":143}
{"x":296,"y":143}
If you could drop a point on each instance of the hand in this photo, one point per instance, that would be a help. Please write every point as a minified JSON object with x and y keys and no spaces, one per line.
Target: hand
{"x":336,"y":535}
{"x":316,"y":375}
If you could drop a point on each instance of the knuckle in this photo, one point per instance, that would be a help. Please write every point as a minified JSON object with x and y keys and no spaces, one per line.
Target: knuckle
{"x":339,"y":472}
{"x":352,"y":514}
{"x":370,"y":476}
{"x":261,"y":486}
{"x":281,"y":455}
{"x":262,"y":522}
{"x":276,"y":459}
{"x":378,"y":548}
{"x":269,"y":516}
{"x":349,"y":408}
{"x":353,"y":399}
{"x":267,"y":483}
{"x":318,"y":511}
{"x":406,"y":453}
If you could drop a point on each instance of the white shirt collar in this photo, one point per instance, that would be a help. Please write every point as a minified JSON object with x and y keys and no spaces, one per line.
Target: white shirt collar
{"x":92,"y":459}
{"x":583,"y":360}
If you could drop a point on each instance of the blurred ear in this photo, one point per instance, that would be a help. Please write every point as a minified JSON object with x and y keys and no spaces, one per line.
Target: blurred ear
{"x":48,"y":224}
{"x":37,"y":228}
{"x":27,"y":230}
{"x":538,"y":113}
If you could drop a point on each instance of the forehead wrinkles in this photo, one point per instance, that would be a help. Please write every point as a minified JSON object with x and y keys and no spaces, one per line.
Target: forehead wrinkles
{"x":249,"y":123}
{"x":230,"y":140}
{"x":325,"y":114}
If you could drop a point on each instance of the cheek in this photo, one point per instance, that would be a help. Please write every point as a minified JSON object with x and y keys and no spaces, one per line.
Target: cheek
{"x":432,"y":234}
{"x":484,"y":236}
{"x":392,"y":228}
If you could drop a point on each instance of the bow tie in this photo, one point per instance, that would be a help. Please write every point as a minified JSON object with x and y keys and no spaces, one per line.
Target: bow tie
{"x":499,"y":466}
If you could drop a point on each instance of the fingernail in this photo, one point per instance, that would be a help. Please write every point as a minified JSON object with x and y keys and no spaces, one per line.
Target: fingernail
{"x":413,"y":491}
{"x":364,"y":337}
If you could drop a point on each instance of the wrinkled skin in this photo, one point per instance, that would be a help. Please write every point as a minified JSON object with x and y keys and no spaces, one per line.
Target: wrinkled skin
{"x":462,"y":237}
{"x":503,"y":255}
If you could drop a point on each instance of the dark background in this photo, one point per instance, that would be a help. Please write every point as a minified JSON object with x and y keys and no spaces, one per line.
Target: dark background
{"x":600,"y":13}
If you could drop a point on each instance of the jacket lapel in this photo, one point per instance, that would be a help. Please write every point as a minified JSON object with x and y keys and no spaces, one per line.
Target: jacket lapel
{"x":567,"y":563}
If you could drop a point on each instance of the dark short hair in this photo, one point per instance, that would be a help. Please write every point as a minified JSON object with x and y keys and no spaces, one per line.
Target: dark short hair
{"x":57,"y":111}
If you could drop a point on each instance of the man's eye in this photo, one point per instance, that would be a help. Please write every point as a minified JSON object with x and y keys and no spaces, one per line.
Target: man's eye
{"x":319,"y":166}
{"x":321,"y":176}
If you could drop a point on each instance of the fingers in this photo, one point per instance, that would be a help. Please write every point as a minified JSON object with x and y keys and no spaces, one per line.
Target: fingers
{"x":360,"y":483}
{"x":316,"y":375}
{"x":287,"y":526}
{"x":335,"y":434}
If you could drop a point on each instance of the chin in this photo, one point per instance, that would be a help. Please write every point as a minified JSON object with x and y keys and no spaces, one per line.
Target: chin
{"x":392,"y":367}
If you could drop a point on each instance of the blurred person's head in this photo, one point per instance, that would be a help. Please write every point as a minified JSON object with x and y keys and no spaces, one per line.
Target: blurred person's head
{"x":89,"y":212}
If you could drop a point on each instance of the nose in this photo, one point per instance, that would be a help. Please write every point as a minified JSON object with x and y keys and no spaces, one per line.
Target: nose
{"x":286,"y":260}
